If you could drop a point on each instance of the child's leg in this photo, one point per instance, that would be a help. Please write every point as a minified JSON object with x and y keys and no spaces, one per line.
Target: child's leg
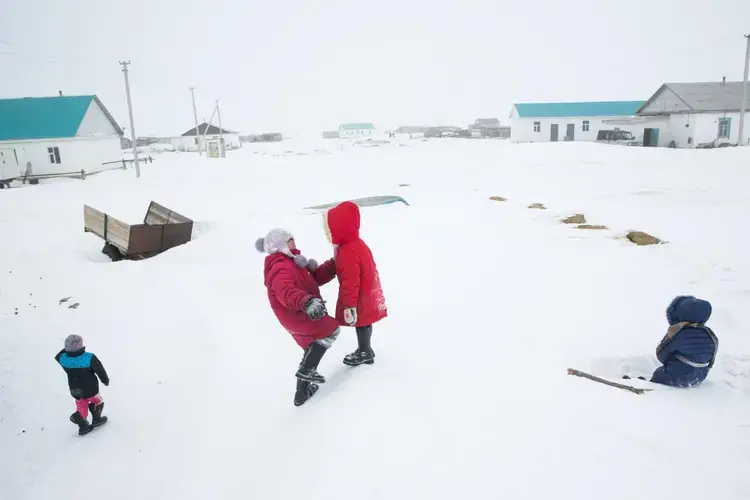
{"x":364,"y":353}
{"x":313,"y":354}
{"x":82,"y":405}
{"x":96,"y":406}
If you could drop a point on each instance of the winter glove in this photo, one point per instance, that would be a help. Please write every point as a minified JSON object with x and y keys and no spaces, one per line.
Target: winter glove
{"x":315,"y":309}
{"x":312,"y":265}
{"x":350,"y":316}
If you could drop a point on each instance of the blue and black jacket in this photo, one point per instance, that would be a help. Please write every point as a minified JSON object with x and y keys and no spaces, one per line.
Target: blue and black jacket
{"x":82,"y":369}
{"x":688,"y":351}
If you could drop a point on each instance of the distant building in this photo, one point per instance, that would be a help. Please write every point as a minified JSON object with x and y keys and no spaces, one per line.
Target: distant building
{"x":56,"y":135}
{"x":411,"y":129}
{"x":690,"y":115}
{"x":209,"y":134}
{"x":566,"y":121}
{"x":350,"y":130}
{"x":489,"y":127}
{"x":331,"y":134}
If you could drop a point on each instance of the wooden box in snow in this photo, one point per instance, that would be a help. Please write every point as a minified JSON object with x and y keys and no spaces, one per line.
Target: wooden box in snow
{"x":161,"y":230}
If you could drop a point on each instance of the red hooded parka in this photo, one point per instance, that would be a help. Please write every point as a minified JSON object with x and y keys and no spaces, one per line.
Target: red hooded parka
{"x":290,"y":288}
{"x":359,"y":281}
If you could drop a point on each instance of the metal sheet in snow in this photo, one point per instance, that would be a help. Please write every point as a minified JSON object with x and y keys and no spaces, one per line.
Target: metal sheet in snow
{"x":368,"y":201}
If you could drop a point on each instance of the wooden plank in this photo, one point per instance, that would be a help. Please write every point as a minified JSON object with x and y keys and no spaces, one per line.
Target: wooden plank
{"x":159,"y":214}
{"x":116,"y":231}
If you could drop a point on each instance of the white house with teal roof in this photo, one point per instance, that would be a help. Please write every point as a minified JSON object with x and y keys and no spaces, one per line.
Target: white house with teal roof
{"x":356,"y":130}
{"x":56,"y":135}
{"x":568,"y":121}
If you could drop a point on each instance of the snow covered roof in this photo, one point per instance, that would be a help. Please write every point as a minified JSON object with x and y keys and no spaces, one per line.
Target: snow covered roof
{"x":699,"y":97}
{"x":46,"y":117}
{"x":570,"y":109}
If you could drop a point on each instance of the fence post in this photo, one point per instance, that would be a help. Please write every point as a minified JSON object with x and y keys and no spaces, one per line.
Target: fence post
{"x":124,"y":165}
{"x":83,"y":174}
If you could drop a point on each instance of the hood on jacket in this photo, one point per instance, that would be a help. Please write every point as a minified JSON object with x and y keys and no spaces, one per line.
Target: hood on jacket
{"x":688,"y":308}
{"x":342,"y":223}
{"x":275,"y":242}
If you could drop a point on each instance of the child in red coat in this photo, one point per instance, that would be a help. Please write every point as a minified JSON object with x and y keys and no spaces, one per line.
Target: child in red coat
{"x":292,"y":282}
{"x":361,"y":302}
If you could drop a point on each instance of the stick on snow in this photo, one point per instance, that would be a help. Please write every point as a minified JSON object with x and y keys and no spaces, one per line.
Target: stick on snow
{"x":579,"y":373}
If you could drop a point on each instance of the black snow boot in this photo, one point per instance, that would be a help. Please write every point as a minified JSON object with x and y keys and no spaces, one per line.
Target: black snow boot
{"x":305,"y":390}
{"x":308,"y":368}
{"x":96,"y":414}
{"x":82,"y":423}
{"x":364,"y":353}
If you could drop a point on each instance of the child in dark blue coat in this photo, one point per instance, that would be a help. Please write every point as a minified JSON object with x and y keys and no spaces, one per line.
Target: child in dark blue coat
{"x":688,"y":350}
{"x":84,"y":370}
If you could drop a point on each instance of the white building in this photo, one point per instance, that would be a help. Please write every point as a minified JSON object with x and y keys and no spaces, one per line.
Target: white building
{"x":356,"y":130}
{"x":210,"y":135}
{"x":688,"y":115}
{"x":56,"y":135}
{"x":567,"y":121}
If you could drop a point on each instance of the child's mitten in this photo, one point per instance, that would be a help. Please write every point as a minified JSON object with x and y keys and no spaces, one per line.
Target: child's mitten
{"x":315,"y":309}
{"x":312,"y":265}
{"x":350,"y":316}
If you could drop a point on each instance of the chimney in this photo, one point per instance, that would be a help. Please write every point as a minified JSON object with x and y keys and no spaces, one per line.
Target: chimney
{"x":723,"y":80}
{"x":60,"y":92}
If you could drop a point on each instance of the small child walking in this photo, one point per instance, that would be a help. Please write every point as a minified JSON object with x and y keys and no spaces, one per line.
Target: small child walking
{"x":82,"y":369}
{"x":361,"y":302}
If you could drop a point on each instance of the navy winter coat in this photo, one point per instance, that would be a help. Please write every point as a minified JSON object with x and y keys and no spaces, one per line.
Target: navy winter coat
{"x":689,"y":354}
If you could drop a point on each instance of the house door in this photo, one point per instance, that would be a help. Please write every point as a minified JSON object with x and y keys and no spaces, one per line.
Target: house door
{"x":553,"y":132}
{"x":8,"y":164}
{"x":651,"y":137}
{"x":570,"y":132}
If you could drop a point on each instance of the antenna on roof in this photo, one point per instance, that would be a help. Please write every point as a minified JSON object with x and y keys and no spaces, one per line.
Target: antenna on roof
{"x":60,"y":92}
{"x":723,"y":80}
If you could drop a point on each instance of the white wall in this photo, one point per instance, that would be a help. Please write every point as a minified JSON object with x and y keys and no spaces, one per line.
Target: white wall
{"x":95,"y":122}
{"x":355,"y":133}
{"x":522,"y":129}
{"x":75,"y":154}
{"x":688,"y":130}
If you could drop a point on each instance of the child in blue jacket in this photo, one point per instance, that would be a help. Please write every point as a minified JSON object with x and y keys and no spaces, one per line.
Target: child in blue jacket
{"x":84,"y":370}
{"x":688,"y":350}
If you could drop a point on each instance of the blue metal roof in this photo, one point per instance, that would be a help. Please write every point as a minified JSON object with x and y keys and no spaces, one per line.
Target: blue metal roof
{"x":357,"y":126}
{"x":571,"y":109}
{"x":42,"y":117}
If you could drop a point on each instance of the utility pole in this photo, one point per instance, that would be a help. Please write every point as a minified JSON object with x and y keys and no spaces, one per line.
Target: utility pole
{"x":743,"y":108}
{"x":130,"y":113}
{"x":222,"y":151}
{"x":195,"y":116}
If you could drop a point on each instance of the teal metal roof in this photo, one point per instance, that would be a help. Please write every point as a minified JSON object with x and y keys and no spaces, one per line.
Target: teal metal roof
{"x":357,"y":126}
{"x":571,"y":109}
{"x":42,"y":117}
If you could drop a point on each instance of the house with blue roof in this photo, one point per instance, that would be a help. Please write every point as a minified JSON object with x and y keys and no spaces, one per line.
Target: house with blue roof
{"x":567,"y":121}
{"x":45,"y":135}
{"x":356,"y":130}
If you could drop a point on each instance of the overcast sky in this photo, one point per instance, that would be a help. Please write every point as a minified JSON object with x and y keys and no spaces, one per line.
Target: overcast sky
{"x":303,"y":66}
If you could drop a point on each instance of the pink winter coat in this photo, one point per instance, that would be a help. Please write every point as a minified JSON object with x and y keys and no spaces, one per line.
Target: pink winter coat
{"x":290,"y":288}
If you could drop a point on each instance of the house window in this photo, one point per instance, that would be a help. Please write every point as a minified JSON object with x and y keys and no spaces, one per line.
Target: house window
{"x":725,"y":125}
{"x":54,"y":154}
{"x":585,"y":126}
{"x":537,"y":126}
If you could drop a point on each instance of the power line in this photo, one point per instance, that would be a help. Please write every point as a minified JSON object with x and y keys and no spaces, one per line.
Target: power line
{"x":31,"y":58}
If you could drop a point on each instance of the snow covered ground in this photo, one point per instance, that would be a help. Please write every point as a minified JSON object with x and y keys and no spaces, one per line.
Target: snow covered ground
{"x":489,"y":303}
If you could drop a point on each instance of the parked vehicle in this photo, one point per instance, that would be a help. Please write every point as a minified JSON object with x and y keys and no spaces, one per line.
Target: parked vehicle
{"x":617,"y":136}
